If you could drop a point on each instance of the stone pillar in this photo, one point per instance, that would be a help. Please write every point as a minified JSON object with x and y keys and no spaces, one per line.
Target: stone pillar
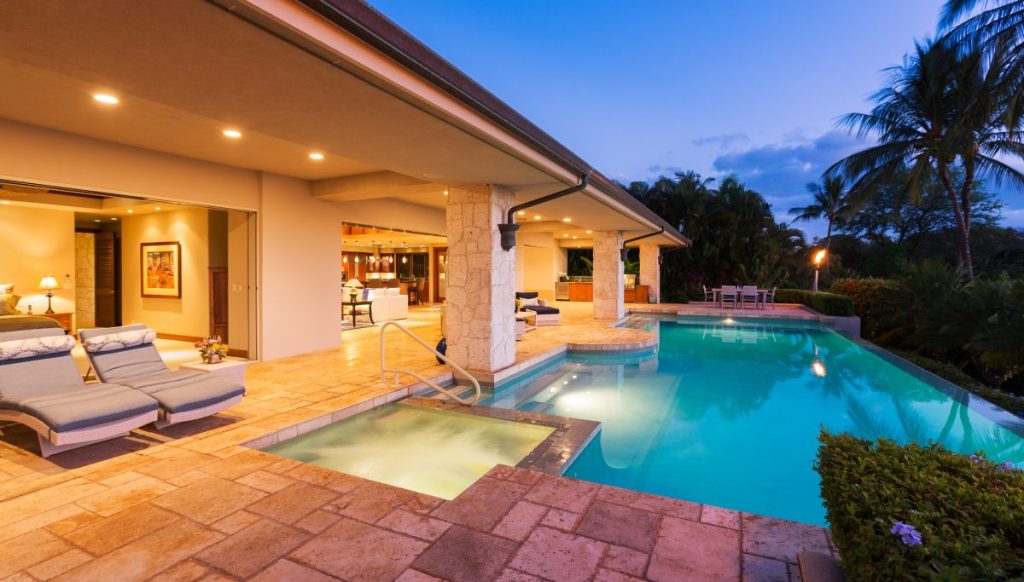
{"x":650,"y":269}
{"x":481,"y":276}
{"x":609,"y":283}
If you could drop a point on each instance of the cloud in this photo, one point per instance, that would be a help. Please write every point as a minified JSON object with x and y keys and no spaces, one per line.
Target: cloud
{"x":781,"y":171}
{"x":659,"y":170}
{"x":723,"y":141}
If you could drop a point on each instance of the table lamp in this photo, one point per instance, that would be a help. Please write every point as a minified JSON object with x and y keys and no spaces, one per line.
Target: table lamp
{"x":353,"y":286}
{"x":48,"y":284}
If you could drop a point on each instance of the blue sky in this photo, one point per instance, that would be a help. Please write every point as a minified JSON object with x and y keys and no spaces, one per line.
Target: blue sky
{"x":644,"y":88}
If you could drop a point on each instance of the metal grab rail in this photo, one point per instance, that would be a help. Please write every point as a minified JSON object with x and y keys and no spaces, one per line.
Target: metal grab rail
{"x":384,"y":370}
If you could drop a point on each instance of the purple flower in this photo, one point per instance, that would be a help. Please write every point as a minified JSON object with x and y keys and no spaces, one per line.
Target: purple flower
{"x":908,"y":533}
{"x":977,"y":458}
{"x":1006,"y":466}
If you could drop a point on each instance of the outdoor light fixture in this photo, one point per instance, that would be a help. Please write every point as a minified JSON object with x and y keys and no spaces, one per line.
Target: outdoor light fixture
{"x":48,"y":284}
{"x":509,"y":227}
{"x":819,"y":258}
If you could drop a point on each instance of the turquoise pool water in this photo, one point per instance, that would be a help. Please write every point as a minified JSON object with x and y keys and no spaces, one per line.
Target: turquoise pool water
{"x":728,"y":412}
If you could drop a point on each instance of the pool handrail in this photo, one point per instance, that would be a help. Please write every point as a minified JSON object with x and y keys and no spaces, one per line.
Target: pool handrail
{"x":384,"y":370}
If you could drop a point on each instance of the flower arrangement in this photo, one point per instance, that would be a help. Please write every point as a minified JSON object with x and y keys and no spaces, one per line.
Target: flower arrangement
{"x":212,"y":349}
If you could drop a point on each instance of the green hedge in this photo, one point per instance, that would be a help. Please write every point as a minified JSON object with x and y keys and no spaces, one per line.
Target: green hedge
{"x":967,"y":510}
{"x":1004,"y":400}
{"x":822,"y":302}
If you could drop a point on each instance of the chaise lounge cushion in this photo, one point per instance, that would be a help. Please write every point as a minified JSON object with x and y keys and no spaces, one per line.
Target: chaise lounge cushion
{"x":542,"y":309}
{"x":74,"y":407}
{"x":186,"y":390}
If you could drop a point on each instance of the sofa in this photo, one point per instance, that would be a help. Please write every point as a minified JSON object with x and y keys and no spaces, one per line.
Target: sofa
{"x":546,"y":315}
{"x":388,"y":304}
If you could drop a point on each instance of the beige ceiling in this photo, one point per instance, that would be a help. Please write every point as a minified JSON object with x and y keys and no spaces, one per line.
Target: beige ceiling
{"x":186,"y":70}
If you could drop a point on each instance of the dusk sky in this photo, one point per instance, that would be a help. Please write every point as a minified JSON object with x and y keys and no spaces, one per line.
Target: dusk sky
{"x":640,"y":89}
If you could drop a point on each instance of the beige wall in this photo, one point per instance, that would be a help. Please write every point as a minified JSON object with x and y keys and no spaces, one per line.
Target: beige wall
{"x":190,"y":315}
{"x":35,"y":243}
{"x":299,"y":262}
{"x":297,"y":277}
{"x":79,"y":162}
{"x":397,"y":214}
{"x":538,"y":261}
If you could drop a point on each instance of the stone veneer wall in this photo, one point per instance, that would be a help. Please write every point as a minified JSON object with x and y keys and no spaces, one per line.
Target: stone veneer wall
{"x":650,"y":269}
{"x":85,"y":279}
{"x":609,"y":281}
{"x":480,"y":295}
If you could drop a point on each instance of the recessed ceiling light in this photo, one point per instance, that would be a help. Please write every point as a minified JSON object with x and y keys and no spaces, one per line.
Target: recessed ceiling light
{"x":232,"y":133}
{"x":157,"y":209}
{"x":566,"y":219}
{"x":114,"y":218}
{"x":5,"y":202}
{"x":106,"y":98}
{"x":96,"y":220}
{"x":316,"y":156}
{"x":536,"y":217}
{"x":565,"y":235}
{"x":590,"y":232}
{"x":521,"y":213}
{"x":130,"y":211}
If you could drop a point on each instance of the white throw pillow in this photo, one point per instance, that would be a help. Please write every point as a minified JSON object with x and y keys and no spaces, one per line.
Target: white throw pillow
{"x":531,"y":301}
{"x":120,"y":340}
{"x":6,"y":288}
{"x":35,"y":347}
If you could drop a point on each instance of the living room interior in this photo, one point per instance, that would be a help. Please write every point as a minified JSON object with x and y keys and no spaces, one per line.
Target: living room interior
{"x":81,"y":260}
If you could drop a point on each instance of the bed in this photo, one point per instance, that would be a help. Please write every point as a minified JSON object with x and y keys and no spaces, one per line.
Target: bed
{"x":22,"y":322}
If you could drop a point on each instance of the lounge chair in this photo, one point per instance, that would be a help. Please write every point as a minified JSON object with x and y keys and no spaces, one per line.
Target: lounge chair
{"x":41,"y":388}
{"x":546,"y":315}
{"x":126,"y":355}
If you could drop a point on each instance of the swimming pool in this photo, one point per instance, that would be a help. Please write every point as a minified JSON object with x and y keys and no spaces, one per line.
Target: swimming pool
{"x":727,"y":412}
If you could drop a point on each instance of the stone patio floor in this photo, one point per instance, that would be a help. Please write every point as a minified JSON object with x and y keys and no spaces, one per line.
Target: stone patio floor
{"x":192,"y":502}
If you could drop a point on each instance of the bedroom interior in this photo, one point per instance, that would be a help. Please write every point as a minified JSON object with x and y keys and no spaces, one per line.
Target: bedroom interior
{"x":182,"y":270}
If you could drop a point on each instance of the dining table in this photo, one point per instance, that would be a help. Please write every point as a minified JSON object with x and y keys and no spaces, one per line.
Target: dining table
{"x":761,"y":302}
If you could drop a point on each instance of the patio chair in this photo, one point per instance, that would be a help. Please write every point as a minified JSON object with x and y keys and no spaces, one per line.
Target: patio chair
{"x":126,"y":355}
{"x":769,"y":298}
{"x":748,"y":294}
{"x":546,"y":315}
{"x":41,"y":388}
{"x":709,"y":295}
{"x":729,"y":294}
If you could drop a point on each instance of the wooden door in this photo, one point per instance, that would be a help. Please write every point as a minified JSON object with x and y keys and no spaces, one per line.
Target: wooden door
{"x":219,"y":302}
{"x":107,"y":303}
{"x":440,"y":273}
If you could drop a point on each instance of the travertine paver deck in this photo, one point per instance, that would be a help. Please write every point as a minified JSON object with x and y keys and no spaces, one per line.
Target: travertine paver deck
{"x":191,"y":502}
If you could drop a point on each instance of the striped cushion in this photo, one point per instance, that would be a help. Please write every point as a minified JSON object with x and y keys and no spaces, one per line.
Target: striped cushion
{"x":35,"y":347}
{"x":119,"y":341}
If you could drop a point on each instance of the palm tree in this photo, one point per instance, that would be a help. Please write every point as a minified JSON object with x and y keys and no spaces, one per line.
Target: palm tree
{"x":830,"y":203}
{"x":941,"y":108}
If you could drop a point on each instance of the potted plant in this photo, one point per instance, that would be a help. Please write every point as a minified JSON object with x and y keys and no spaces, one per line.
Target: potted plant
{"x":212,"y":349}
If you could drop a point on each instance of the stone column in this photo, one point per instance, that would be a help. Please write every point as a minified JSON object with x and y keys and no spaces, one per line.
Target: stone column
{"x":609,"y":283}
{"x":650,"y":269}
{"x":481,"y":277}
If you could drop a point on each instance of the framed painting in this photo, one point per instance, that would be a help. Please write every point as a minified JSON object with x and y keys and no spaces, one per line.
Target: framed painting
{"x":161,"y":269}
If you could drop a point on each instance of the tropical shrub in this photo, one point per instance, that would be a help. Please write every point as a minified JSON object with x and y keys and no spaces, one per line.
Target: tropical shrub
{"x":822,"y":302}
{"x":907,"y":512}
{"x":880,"y":304}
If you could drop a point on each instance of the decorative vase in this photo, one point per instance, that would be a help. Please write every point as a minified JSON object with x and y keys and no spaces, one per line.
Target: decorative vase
{"x":213,"y":358}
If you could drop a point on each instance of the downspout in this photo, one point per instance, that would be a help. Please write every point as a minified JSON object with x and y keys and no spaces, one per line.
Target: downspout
{"x":509,"y":228}
{"x":623,"y":251}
